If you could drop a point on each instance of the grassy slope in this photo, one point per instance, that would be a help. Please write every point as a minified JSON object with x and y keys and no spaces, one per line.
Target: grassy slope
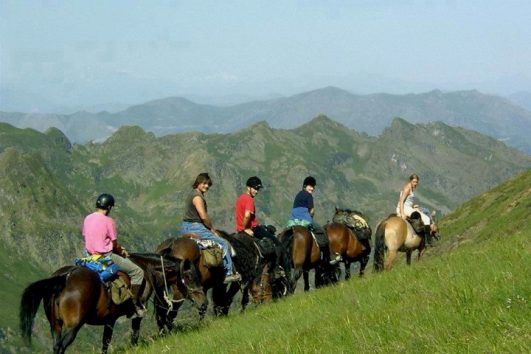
{"x":474,"y":298}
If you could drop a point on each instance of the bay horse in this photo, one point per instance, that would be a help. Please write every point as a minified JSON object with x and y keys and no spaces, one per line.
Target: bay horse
{"x":73,"y":296}
{"x":393,"y":235}
{"x":247,"y":262}
{"x":304,"y":254}
{"x":185,"y":248}
{"x":349,"y":235}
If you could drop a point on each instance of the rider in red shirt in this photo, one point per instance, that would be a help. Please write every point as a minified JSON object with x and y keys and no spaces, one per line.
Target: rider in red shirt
{"x":245,"y":212}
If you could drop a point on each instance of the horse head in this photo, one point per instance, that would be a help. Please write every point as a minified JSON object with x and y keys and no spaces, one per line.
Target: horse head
{"x":416,"y":222}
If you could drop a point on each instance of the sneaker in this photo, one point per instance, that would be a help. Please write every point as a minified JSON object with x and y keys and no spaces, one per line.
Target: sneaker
{"x":232,"y":277}
{"x":336,"y":260}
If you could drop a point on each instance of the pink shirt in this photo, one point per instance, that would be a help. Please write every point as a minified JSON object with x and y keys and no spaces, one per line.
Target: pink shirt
{"x":99,"y":231}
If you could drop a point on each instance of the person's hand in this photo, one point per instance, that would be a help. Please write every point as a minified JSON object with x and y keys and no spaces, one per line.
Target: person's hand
{"x":249,"y":232}
{"x":124,"y":253}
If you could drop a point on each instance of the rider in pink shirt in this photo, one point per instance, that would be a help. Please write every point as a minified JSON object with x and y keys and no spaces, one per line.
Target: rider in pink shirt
{"x":99,"y":232}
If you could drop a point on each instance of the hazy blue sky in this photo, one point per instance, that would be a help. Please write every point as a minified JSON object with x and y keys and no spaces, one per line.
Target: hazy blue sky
{"x":258,"y":47}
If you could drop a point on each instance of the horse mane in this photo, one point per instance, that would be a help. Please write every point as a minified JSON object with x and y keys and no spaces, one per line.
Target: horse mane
{"x":246,"y":254}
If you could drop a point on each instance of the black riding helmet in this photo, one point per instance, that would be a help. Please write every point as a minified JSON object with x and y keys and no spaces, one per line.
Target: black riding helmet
{"x":309,"y":181}
{"x":105,"y":201}
{"x":254,"y":182}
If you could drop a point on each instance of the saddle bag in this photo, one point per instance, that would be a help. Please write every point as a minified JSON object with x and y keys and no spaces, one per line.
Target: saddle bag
{"x":212,"y":257}
{"x":120,"y":293}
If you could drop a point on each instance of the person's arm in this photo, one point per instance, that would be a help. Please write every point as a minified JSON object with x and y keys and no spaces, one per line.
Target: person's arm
{"x":118,"y":249}
{"x":245,"y":224}
{"x":403,"y":195}
{"x":311,"y":211}
{"x":200,"y":207}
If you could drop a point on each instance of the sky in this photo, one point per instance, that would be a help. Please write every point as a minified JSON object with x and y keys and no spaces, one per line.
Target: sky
{"x":96,"y":52}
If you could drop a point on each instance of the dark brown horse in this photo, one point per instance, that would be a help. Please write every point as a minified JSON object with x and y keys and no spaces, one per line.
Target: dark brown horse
{"x":394,"y":234}
{"x":304,"y":254}
{"x":248,"y":262}
{"x":74,"y":296}
{"x":186,"y":249}
{"x":349,"y":235}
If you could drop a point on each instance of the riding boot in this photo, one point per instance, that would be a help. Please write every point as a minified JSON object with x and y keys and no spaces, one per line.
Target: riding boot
{"x":427,"y":235}
{"x":140,"y":310}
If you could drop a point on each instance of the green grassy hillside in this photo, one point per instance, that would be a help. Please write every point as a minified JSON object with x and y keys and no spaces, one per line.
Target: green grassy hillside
{"x":473,"y":298}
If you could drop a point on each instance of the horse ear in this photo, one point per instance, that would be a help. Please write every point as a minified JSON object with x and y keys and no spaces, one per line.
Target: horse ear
{"x":337,"y":209}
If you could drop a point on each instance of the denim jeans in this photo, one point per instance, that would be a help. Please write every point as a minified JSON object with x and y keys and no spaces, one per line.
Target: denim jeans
{"x":205,"y":234}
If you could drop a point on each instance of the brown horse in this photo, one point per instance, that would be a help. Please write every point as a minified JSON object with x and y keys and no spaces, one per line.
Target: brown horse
{"x":304,"y":254}
{"x":248,"y":262}
{"x":186,"y":249}
{"x":74,"y":296}
{"x":394,"y":234}
{"x":349,"y":235}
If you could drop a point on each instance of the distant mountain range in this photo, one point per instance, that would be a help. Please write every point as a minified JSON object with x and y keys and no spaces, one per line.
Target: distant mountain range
{"x":491,"y":115}
{"x":48,"y":184}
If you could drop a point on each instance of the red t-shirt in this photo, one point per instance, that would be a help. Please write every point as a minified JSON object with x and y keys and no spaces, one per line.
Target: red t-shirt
{"x":245,"y":203}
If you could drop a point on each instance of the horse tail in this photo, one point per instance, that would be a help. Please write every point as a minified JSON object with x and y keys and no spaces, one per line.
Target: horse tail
{"x":379,"y":247}
{"x":31,"y":299}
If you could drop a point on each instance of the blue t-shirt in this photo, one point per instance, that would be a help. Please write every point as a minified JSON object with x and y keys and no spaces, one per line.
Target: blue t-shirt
{"x":301,"y":206}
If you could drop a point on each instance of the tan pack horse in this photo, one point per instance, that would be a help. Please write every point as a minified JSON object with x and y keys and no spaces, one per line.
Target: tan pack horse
{"x":394,"y":234}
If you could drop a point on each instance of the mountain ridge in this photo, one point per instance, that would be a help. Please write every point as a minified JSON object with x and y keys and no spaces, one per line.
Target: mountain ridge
{"x":491,"y":115}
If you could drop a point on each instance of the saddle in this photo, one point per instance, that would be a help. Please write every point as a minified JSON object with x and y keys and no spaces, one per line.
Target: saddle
{"x":116,"y":282}
{"x":212,"y":253}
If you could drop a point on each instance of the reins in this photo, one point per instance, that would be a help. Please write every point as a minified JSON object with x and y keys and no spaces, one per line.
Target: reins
{"x":167,"y":299}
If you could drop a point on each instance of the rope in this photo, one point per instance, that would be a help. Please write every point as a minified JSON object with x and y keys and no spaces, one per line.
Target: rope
{"x":167,"y":299}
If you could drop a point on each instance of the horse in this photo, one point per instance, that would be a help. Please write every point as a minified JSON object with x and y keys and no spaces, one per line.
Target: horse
{"x":395,"y":234}
{"x":73,"y":296}
{"x":349,"y":235}
{"x":257,"y":261}
{"x":185,"y":248}
{"x":304,"y":254}
{"x":248,"y":263}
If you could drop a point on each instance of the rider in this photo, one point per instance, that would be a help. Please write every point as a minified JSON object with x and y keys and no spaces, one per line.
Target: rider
{"x":246,"y":221}
{"x":406,"y":206}
{"x":196,"y":221}
{"x":303,"y":211}
{"x":99,"y":232}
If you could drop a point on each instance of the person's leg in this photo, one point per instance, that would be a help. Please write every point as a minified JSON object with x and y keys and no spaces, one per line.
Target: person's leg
{"x":206,"y":234}
{"x":136,"y":274}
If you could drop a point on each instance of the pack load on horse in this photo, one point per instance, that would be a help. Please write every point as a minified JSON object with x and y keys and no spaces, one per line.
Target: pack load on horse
{"x":349,"y":236}
{"x":73,"y":296}
{"x":394,"y":234}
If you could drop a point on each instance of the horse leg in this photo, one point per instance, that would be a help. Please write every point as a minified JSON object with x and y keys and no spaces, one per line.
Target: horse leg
{"x":245,"y":297}
{"x":135,"y":326}
{"x":295,"y":275}
{"x":421,"y":252}
{"x":347,"y":270}
{"x":108,"y":328}
{"x":363,"y":263}
{"x":65,"y":339}
{"x":306,"y":276}
{"x":390,"y":259}
{"x":408,"y":257}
